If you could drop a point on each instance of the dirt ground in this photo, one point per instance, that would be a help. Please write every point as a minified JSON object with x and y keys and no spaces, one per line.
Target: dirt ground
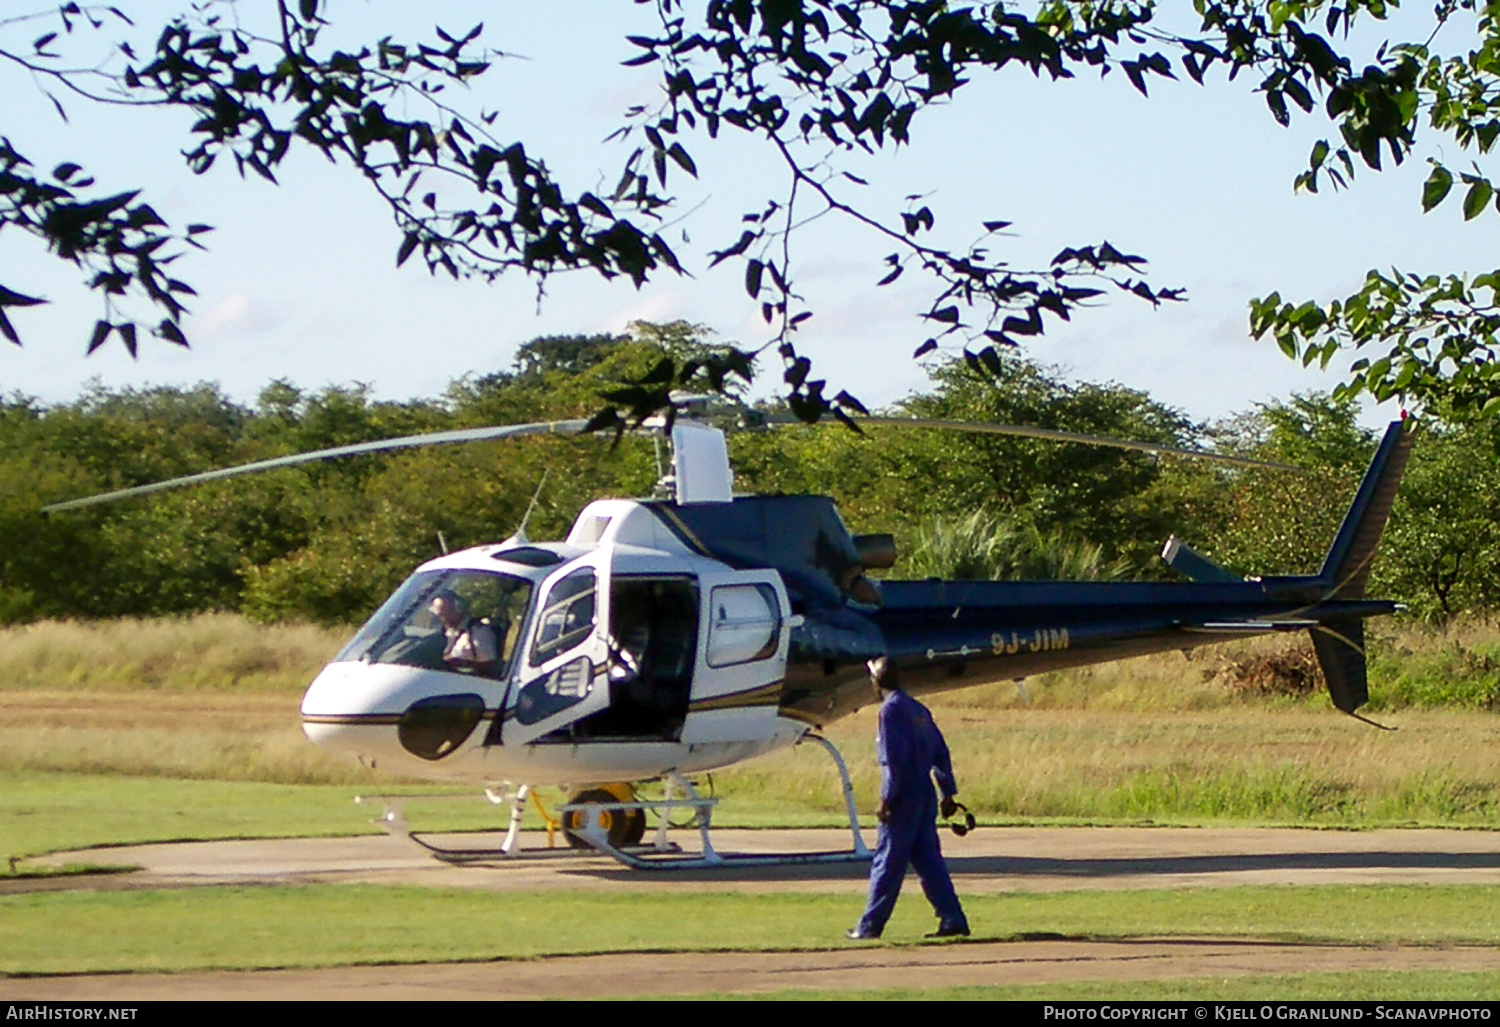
{"x":649,"y":974}
{"x":991,"y":860}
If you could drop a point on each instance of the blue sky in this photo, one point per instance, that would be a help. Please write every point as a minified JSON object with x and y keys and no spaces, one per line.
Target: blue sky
{"x":300,"y":283}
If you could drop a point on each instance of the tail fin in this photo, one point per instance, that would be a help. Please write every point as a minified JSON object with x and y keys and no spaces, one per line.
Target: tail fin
{"x":1340,"y":642}
{"x":1347,"y":567}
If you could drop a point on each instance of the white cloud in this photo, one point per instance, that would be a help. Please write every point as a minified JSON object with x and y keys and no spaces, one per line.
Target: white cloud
{"x":234,"y":315}
{"x":661,"y":305}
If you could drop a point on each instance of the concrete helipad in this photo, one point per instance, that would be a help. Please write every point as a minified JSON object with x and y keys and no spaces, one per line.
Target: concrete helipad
{"x":989,"y":860}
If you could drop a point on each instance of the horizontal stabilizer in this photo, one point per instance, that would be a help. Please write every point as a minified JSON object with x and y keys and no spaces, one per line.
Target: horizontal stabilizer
{"x":1184,"y":561}
{"x":1340,"y":645}
{"x":1253,"y":627}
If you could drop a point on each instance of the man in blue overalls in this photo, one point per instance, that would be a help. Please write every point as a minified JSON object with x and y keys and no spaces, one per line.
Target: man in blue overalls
{"x":911,"y":750}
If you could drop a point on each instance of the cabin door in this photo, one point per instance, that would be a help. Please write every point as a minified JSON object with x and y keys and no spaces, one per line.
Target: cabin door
{"x":564,"y":666}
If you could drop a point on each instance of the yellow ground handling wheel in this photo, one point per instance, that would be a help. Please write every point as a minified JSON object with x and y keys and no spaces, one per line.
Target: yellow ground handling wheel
{"x":623,"y":827}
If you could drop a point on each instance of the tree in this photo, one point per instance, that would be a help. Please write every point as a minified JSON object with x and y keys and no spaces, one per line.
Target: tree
{"x":1012,"y":506}
{"x":327,"y":541}
{"x":1276,"y":522}
{"x":1442,"y":552}
{"x":815,"y":80}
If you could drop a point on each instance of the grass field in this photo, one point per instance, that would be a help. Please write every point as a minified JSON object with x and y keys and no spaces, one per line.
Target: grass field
{"x":140,"y":731}
{"x":51,"y":812}
{"x":1387,"y":986}
{"x":184,"y":768}
{"x":335,"y":925}
{"x":1156,"y":739}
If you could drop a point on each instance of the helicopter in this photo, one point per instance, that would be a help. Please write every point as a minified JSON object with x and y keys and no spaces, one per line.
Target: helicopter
{"x":668,"y":637}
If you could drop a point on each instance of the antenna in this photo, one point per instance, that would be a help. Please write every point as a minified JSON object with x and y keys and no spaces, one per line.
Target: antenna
{"x":519,"y":537}
{"x":666,"y":485}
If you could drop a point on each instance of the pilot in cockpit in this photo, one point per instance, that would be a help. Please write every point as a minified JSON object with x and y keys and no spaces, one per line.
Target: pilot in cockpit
{"x":470,"y":643}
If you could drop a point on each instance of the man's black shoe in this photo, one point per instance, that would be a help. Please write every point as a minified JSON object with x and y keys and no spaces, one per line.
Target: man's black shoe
{"x":950,"y":932}
{"x":855,"y":934}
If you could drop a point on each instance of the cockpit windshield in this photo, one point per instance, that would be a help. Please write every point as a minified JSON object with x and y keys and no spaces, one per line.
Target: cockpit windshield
{"x":457,"y":620}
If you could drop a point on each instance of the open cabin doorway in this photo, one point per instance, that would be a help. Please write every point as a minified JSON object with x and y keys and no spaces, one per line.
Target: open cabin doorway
{"x":653,"y":633}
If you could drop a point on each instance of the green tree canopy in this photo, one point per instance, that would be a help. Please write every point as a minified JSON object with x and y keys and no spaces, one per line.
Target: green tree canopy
{"x":327,"y":541}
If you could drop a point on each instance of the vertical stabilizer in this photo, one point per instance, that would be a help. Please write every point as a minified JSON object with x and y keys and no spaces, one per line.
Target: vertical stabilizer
{"x":1347,"y":566}
{"x":1340,"y":641}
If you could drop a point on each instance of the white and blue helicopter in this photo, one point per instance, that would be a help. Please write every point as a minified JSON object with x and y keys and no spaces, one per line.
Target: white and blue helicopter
{"x":668,"y":637}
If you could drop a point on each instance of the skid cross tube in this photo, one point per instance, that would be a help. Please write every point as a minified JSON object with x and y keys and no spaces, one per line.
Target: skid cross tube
{"x":395,"y":823}
{"x":592,"y":831}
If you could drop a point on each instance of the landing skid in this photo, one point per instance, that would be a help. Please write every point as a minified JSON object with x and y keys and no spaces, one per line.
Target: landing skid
{"x":660,"y":854}
{"x":395,"y":823}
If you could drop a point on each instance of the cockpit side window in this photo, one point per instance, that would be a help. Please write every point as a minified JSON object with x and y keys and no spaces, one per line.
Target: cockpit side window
{"x":568,"y":616}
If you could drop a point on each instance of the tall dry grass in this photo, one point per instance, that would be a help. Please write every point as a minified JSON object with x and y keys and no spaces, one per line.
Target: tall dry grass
{"x":210,"y":652}
{"x":210,"y":697}
{"x":1410,"y":667}
{"x":1242,"y":765}
{"x":1179,"y":738}
{"x":247,"y":737}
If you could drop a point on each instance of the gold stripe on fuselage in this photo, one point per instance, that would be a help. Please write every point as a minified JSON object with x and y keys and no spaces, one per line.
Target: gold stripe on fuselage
{"x":367,"y":718}
{"x":800,"y":716}
{"x":761,"y":695}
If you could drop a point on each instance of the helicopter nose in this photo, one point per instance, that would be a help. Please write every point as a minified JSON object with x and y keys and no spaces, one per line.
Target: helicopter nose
{"x":362,"y":734}
{"x":341,"y":711}
{"x":383,"y":711}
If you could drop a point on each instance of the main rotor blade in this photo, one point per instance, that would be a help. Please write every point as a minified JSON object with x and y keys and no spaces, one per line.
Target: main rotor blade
{"x":439,"y":438}
{"x":1053,"y":435}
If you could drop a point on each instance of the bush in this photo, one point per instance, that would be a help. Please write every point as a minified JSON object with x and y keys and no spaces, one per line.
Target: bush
{"x":1438,"y":673}
{"x":1293,"y":671}
{"x":981,"y":546}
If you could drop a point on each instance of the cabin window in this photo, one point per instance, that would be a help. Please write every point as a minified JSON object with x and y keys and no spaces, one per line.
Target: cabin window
{"x":568,"y":617}
{"x":744,"y":624}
